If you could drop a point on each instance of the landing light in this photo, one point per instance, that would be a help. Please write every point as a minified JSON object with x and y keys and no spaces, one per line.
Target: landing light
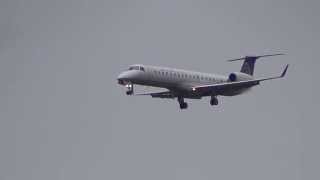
{"x":193,"y":89}
{"x":128,"y":85}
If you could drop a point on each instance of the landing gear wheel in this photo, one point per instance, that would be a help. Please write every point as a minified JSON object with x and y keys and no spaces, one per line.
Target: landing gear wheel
{"x":214,"y":101}
{"x":130,"y":89}
{"x":183,"y":105}
{"x":129,"y":92}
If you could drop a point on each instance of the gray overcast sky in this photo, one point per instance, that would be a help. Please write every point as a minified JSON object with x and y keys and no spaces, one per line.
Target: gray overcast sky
{"x":62,"y":115}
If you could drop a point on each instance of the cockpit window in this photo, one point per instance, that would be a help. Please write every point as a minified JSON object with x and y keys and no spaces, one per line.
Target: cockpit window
{"x":134,"y":68}
{"x":139,"y":68}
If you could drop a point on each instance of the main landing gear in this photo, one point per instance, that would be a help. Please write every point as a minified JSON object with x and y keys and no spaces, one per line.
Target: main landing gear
{"x":129,"y":87}
{"x":183,"y":105}
{"x":214,"y":101}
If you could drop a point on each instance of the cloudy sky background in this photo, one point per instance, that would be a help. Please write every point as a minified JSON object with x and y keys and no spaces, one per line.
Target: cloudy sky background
{"x":62,"y":115}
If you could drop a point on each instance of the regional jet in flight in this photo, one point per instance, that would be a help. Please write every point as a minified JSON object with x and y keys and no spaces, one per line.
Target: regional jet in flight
{"x":182,"y":84}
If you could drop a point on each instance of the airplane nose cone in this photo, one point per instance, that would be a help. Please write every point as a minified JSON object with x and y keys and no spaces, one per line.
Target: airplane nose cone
{"x":123,"y":76}
{"x":127,"y":76}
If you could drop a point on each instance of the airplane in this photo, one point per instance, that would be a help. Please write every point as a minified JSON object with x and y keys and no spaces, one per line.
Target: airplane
{"x":185,"y":84}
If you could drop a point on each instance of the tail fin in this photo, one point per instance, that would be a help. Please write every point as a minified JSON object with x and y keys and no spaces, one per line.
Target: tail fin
{"x":249,"y":62}
{"x":248,"y":65}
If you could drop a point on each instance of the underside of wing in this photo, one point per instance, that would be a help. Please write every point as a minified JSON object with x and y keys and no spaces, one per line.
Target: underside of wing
{"x":234,"y":86}
{"x":225,"y":87}
{"x":164,"y":94}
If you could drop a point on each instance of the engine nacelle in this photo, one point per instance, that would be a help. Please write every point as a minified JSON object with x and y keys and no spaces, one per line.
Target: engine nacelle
{"x":238,"y":76}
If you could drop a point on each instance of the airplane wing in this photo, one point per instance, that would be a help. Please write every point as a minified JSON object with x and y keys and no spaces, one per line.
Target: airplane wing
{"x":164,"y":94}
{"x":236,"y":85}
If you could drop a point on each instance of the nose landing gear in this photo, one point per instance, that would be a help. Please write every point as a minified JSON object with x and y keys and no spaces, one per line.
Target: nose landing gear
{"x":214,"y":101}
{"x":183,"y":105}
{"x":129,"y":87}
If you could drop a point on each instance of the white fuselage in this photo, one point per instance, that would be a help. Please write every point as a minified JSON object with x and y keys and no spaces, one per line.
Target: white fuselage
{"x":181,"y":84}
{"x":170,"y":78}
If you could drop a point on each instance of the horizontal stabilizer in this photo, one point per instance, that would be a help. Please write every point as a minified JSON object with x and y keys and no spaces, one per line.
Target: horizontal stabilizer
{"x":254,"y":57}
{"x":249,"y":62}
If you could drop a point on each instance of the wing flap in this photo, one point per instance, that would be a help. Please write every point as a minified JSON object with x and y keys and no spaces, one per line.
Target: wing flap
{"x":164,"y":94}
{"x":236,"y":85}
{"x":226,"y":86}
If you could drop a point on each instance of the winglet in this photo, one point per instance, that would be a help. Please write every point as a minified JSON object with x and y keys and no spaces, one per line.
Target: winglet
{"x":284,"y":71}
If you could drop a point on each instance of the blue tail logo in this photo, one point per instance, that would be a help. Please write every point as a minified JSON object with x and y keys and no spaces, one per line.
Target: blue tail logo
{"x":248,"y":65}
